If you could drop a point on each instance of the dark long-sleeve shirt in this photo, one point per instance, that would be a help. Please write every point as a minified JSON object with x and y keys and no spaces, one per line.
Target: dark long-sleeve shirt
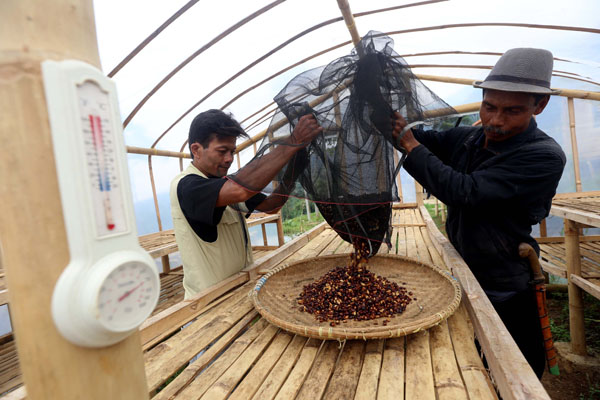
{"x":494,"y":195}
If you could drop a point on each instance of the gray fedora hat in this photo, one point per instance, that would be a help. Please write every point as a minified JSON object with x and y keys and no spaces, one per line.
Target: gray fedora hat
{"x":521,"y":70}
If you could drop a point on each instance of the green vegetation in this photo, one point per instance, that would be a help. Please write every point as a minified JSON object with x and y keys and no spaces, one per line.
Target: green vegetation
{"x":295,"y":220}
{"x":437,"y":219}
{"x":301,"y":224}
{"x":593,"y":392}
{"x":558,"y":304}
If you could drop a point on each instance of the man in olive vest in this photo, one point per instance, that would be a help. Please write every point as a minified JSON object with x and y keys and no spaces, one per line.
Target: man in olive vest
{"x":209,"y":210}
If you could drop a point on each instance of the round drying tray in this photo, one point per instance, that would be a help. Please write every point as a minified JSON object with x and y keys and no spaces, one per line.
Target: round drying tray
{"x":437,"y":292}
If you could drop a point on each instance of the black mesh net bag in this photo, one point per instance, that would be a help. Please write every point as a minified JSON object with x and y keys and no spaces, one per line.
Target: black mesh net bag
{"x":349,"y":170}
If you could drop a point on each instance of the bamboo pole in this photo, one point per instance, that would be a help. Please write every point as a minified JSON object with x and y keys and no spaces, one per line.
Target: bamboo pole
{"x":398,"y":178}
{"x":351,"y":25}
{"x":557,"y":73}
{"x":465,"y":108}
{"x":34,"y":243}
{"x":218,"y":38}
{"x":574,"y":144}
{"x":154,"y":194}
{"x":543,"y":230}
{"x":573,"y":259}
{"x":249,"y":89}
{"x":419,"y":193}
{"x":157,"y":152}
{"x":264,"y":234}
{"x":305,"y":32}
{"x":151,"y":37}
{"x":166,"y":266}
{"x":575,"y":93}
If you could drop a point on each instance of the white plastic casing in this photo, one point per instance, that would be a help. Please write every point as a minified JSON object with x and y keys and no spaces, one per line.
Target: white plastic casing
{"x":94,"y":255}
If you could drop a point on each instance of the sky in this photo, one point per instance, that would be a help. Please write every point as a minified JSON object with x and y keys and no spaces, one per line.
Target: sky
{"x":122,"y":24}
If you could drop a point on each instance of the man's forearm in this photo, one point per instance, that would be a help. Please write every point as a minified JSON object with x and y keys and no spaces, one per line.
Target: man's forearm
{"x":276,"y":200}
{"x":255,"y":176}
{"x":258,"y":173}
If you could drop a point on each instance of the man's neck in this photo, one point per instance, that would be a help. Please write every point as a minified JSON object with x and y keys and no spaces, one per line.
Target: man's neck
{"x":195,"y":164}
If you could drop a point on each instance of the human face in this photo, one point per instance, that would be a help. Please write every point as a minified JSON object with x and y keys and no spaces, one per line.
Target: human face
{"x":215,"y":159}
{"x":506,"y":114}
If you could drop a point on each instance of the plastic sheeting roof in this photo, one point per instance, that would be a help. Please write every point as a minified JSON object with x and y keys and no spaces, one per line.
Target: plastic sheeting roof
{"x":123,"y":24}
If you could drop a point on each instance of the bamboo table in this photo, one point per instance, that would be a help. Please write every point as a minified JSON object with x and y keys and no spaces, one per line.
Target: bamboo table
{"x":241,"y":356}
{"x":579,"y":210}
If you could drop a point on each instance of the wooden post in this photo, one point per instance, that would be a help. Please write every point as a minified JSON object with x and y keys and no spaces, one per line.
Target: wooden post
{"x":34,"y":242}
{"x":576,"y":323}
{"x":166,"y":266}
{"x":307,"y":208}
{"x":154,"y":195}
{"x":437,"y":207}
{"x":398,"y":179}
{"x":419,"y":193}
{"x":444,"y":213}
{"x":543,"y":230}
{"x":280,"y":237}
{"x":264,"y":234}
{"x":574,"y":144}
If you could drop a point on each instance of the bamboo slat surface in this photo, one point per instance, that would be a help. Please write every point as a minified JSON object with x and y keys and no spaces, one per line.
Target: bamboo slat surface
{"x":582,"y":208}
{"x":171,"y":292}
{"x":159,"y":243}
{"x":585,"y":208}
{"x":10,"y":371}
{"x":553,"y":256}
{"x":241,"y":356}
{"x":171,"y":285}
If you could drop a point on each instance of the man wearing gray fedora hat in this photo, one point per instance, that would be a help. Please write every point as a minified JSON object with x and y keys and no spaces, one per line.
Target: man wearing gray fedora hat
{"x":497,"y":179}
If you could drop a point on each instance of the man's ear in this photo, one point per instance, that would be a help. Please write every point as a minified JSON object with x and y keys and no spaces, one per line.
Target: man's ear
{"x":196,"y":150}
{"x":541,"y":105}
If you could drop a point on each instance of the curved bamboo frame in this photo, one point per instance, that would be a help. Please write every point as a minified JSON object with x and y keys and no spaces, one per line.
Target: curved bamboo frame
{"x":151,"y":37}
{"x":348,"y":16}
{"x":262,"y":58}
{"x":574,"y":29}
{"x":201,"y":50}
{"x":235,"y":27}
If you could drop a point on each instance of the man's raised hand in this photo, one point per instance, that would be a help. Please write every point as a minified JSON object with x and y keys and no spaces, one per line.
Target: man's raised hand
{"x":306,"y":130}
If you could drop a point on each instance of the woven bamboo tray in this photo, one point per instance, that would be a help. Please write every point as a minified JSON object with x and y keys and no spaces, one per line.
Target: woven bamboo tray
{"x":438,"y":295}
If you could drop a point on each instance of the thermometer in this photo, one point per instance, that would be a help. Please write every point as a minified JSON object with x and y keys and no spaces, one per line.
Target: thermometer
{"x":110,"y":285}
{"x":103,"y":177}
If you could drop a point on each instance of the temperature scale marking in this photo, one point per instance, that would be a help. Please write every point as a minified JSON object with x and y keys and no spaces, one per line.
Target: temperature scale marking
{"x":103,"y":176}
{"x":103,"y":168}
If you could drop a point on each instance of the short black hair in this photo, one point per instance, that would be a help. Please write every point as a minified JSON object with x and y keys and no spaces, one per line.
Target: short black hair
{"x":213,"y":123}
{"x":537,"y":98}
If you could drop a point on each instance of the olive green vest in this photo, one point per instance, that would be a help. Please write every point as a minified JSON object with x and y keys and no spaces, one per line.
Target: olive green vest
{"x":204,"y":263}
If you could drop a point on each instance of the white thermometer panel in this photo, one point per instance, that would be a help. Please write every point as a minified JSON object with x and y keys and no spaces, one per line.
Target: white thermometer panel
{"x":94,"y":109}
{"x":111,"y":284}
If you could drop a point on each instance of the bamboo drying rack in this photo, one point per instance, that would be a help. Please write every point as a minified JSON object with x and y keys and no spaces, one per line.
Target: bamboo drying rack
{"x":62,"y":370}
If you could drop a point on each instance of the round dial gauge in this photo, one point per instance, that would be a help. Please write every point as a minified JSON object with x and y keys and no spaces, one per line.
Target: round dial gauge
{"x":127,"y":296}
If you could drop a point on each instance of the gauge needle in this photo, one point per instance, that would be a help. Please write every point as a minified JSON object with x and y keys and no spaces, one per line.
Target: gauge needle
{"x":127,"y":293}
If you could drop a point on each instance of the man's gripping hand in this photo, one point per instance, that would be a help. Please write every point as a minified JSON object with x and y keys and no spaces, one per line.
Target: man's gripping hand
{"x":305,"y":131}
{"x":407,"y":142}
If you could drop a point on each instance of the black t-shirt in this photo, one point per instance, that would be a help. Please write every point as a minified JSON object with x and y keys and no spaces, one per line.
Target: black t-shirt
{"x":197,"y":198}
